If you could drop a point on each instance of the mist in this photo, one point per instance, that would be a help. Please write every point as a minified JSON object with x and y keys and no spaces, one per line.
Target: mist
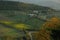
{"x":55,"y":4}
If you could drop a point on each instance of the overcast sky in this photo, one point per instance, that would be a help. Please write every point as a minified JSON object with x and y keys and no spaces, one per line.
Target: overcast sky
{"x":50,"y":3}
{"x":58,"y":1}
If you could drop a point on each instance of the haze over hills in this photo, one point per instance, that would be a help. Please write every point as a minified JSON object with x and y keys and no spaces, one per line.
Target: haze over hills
{"x":55,"y":4}
{"x":51,"y":4}
{"x":19,"y":6}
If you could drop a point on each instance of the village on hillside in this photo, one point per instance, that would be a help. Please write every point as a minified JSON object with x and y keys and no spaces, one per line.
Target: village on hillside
{"x":22,"y":21}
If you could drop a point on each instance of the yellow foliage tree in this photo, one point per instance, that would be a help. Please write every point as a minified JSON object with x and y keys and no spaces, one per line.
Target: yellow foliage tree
{"x":44,"y":33}
{"x":53,"y":23}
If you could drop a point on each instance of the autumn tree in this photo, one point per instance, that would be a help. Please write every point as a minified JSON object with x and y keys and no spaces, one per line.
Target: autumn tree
{"x":53,"y":23}
{"x":45,"y":31}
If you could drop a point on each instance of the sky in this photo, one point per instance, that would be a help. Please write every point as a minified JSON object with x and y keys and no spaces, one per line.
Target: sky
{"x":49,"y":3}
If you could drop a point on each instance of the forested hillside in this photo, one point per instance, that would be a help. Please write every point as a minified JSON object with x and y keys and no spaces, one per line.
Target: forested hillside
{"x":20,"y":13}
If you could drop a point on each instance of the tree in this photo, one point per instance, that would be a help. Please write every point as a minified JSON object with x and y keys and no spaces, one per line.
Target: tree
{"x":53,"y":23}
{"x":46,"y":30}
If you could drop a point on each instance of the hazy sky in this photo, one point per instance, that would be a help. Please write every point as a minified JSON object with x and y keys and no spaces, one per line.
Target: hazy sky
{"x":50,"y":3}
{"x":58,"y":1}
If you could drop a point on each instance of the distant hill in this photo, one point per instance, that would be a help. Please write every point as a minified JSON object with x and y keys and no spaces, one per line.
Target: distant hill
{"x":11,"y":5}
